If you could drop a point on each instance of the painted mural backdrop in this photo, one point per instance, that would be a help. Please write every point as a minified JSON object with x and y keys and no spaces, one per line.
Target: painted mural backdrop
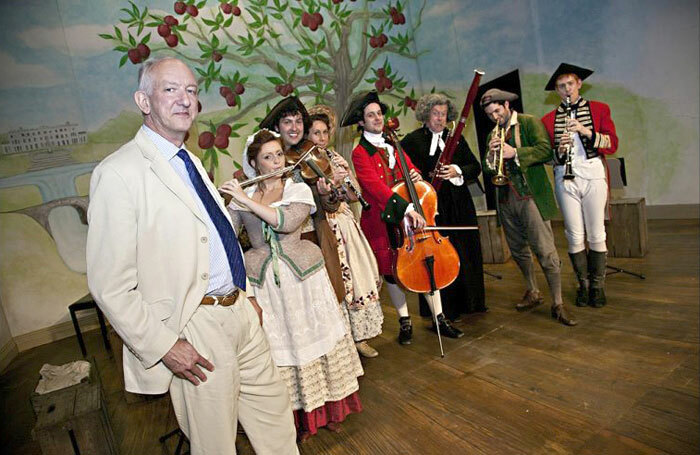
{"x":69,"y":68}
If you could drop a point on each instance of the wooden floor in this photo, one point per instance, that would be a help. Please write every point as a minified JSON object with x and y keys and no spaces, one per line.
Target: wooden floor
{"x":625,"y":381}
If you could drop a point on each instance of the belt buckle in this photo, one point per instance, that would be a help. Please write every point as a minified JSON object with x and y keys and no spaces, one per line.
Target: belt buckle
{"x":233,"y":294}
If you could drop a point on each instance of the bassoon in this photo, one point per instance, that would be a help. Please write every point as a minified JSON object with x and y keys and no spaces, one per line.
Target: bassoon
{"x":446,"y":155}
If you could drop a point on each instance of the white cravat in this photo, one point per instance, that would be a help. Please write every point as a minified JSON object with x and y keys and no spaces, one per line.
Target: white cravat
{"x":377,"y":140}
{"x":435,"y":142}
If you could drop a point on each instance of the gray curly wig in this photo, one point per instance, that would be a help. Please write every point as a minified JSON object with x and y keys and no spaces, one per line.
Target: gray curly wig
{"x":426,"y":103}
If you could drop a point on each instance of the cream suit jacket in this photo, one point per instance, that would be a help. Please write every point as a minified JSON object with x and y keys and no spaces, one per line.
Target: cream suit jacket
{"x":147,"y":256}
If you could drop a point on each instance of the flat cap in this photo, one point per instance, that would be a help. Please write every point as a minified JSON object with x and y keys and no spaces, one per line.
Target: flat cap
{"x":495,"y":94}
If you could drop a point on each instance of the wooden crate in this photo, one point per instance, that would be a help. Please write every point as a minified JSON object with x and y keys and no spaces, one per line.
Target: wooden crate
{"x":494,"y":248}
{"x":74,"y":420}
{"x":626,"y":229}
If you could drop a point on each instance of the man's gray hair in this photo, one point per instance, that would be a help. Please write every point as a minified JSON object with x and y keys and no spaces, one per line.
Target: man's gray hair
{"x":146,"y":74}
{"x":427,"y":102}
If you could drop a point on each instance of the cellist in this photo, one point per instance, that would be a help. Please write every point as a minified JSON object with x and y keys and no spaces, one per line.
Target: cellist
{"x":377,"y":169}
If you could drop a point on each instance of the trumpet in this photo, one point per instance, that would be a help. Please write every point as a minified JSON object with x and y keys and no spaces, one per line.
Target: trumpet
{"x":500,"y":178}
{"x":568,"y":171}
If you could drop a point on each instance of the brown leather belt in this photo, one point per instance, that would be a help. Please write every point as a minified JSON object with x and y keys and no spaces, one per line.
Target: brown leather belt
{"x":223,"y":300}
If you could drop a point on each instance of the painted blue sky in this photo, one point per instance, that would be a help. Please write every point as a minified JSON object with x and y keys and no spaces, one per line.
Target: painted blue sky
{"x":55,"y":68}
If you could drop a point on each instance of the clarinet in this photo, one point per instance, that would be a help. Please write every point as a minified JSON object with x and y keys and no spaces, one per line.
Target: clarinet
{"x":347,"y":184}
{"x":568,"y":171}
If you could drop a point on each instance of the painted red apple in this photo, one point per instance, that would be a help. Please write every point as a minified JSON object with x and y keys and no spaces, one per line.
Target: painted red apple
{"x":180,"y":7}
{"x":226,"y":8}
{"x":164,"y":30}
{"x":144,"y":50}
{"x":134,"y":56}
{"x":236,"y":11}
{"x":239,"y":89}
{"x":206,"y":140}
{"x":192,"y":10}
{"x":171,"y":40}
{"x":221,"y":142}
{"x":170,"y":20}
{"x":231,"y":99}
{"x":216,"y":56}
{"x":224,"y":91}
{"x":224,"y":130}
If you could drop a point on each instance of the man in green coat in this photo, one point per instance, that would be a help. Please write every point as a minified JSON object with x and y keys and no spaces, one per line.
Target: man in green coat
{"x":518,"y":148}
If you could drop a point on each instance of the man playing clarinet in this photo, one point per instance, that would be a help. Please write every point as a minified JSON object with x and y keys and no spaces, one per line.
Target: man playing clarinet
{"x":581,"y":133}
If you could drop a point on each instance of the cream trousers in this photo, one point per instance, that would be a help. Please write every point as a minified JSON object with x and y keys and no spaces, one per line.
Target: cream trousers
{"x":245,"y":386}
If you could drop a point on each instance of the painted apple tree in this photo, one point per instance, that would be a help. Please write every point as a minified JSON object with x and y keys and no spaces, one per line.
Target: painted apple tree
{"x":255,"y":53}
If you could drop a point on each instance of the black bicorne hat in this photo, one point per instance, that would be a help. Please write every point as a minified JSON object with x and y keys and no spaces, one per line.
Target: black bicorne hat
{"x":355,"y":112}
{"x":288,"y":104}
{"x":566,"y":68}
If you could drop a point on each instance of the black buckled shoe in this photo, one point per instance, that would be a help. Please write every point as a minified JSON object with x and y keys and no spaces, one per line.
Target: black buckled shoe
{"x":560,"y":314}
{"x":405,"y":330}
{"x":447,"y":329}
{"x":596,"y":298}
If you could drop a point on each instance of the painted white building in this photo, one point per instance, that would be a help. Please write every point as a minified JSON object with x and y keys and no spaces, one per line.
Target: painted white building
{"x":44,"y":138}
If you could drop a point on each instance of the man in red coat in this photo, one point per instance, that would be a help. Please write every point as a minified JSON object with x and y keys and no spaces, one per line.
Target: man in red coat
{"x":581,"y":133}
{"x":378,"y":170}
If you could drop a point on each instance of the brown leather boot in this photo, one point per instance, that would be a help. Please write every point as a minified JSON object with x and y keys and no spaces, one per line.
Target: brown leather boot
{"x":560,"y":314}
{"x":530,"y":300}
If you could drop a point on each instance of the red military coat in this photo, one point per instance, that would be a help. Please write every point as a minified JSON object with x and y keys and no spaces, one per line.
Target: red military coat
{"x":605,"y":137}
{"x":376,"y":179}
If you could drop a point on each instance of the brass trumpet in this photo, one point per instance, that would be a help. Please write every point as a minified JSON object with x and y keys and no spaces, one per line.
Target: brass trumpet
{"x":500,"y":178}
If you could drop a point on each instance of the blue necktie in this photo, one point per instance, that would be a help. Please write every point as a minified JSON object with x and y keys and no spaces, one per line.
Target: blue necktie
{"x":228,"y":237}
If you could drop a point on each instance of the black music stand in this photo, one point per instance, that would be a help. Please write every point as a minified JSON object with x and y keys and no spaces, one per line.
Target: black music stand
{"x":618,"y":180}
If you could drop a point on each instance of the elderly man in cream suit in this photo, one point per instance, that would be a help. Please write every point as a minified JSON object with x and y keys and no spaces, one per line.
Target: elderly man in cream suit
{"x":165,"y":267}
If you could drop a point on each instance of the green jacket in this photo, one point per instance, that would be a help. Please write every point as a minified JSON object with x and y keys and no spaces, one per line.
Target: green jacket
{"x":528,"y":175}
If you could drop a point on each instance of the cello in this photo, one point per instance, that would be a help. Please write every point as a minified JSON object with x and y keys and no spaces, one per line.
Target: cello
{"x":426,"y":261}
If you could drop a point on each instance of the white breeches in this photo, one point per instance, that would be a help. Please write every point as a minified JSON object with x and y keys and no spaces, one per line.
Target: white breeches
{"x":582,"y":203}
{"x":398,"y":298}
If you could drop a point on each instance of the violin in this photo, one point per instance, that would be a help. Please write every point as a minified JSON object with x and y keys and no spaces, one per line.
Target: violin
{"x":318,"y":163}
{"x":426,"y":261}
{"x":315,"y":163}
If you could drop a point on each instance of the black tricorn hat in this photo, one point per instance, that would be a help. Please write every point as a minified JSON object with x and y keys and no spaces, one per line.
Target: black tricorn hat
{"x":289,"y":104}
{"x":356,"y":112}
{"x":566,"y":68}
{"x":495,"y":94}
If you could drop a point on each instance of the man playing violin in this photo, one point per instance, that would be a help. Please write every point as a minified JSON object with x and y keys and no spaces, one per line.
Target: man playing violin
{"x":291,"y":120}
{"x":377,"y":169}
{"x":526,"y":203}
